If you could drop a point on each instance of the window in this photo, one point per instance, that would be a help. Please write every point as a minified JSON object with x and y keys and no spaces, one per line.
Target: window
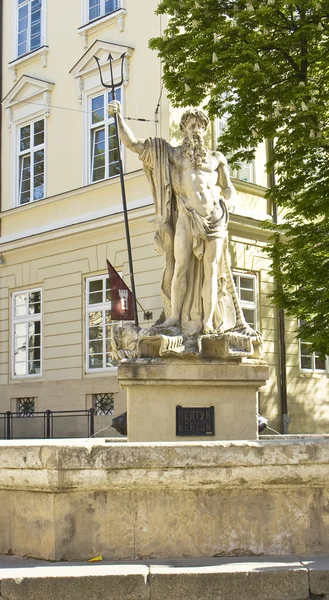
{"x":308,"y":360}
{"x":103,"y":404}
{"x":245,"y":169}
{"x":104,"y":149}
{"x":100,"y":8}
{"x":29,"y":19}
{"x":27,"y":333}
{"x":99,"y":323}
{"x":31,"y":171}
{"x":26,"y":407}
{"x":246,"y":287}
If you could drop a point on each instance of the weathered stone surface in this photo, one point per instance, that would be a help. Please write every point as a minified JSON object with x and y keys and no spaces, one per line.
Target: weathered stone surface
{"x":76,"y":583}
{"x":155,"y":387}
{"x":243,"y":581}
{"x":75,"y":500}
{"x":318,"y":568}
{"x":264,"y":578}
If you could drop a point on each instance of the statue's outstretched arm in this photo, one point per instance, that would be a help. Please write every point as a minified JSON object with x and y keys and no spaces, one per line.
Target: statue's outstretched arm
{"x":126,"y":135}
{"x":224,"y":180}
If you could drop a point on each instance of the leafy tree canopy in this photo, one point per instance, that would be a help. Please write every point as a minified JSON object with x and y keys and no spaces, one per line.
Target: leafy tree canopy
{"x":265,"y":63}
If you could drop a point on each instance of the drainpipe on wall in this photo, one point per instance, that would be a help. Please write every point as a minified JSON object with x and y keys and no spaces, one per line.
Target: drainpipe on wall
{"x":282,"y":341}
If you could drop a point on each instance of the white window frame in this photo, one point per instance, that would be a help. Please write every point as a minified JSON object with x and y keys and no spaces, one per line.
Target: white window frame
{"x":249,"y":166}
{"x":92,"y":127}
{"x":23,"y":108}
{"x":118,"y":3}
{"x":20,"y":153}
{"x":16,"y":23}
{"x":313,"y":356}
{"x":100,"y":307}
{"x":244,"y":303}
{"x":26,"y":319}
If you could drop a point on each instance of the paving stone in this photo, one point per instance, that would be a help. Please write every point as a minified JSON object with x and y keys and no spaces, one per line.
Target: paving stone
{"x":242,"y":581}
{"x":101,"y":582}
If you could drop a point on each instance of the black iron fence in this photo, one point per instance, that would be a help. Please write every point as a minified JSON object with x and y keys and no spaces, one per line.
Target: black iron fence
{"x":48,"y":424}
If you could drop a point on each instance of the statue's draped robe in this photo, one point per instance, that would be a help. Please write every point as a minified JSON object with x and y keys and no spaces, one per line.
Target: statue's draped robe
{"x":155,"y":158}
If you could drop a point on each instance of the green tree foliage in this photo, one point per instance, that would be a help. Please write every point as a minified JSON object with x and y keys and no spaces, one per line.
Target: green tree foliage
{"x":265,"y":63}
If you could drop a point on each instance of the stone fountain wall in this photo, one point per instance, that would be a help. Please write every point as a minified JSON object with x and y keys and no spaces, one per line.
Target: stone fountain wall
{"x":74,"y":500}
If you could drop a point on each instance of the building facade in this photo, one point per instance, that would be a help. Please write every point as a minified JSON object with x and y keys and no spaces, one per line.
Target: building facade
{"x":62,"y":218}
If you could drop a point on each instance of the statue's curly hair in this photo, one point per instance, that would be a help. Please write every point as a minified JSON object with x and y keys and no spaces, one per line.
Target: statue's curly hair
{"x":193,"y":112}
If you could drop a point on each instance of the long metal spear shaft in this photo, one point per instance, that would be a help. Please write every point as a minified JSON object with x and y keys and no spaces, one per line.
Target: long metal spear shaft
{"x":113,"y":87}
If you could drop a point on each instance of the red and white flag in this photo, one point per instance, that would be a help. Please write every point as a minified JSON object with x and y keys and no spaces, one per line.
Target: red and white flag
{"x":122,"y":308}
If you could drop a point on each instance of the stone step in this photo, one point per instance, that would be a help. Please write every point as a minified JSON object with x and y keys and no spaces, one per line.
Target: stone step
{"x":266,"y":578}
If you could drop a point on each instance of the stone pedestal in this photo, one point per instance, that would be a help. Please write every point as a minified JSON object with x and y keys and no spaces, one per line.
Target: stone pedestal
{"x":155,"y":387}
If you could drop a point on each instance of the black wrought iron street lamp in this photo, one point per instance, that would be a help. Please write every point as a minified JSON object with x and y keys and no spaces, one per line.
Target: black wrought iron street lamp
{"x":113,"y":87}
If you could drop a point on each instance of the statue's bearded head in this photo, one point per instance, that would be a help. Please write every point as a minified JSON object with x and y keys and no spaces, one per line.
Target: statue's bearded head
{"x":194,"y":123}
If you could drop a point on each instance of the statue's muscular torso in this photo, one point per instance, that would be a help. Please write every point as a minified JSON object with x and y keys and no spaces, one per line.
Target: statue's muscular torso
{"x":195,"y":187}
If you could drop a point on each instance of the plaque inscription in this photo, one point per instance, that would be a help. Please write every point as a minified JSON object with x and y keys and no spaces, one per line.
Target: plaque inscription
{"x":195,"y":421}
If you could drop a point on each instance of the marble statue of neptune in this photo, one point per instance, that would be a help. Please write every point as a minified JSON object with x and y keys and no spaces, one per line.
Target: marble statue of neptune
{"x":191,"y":186}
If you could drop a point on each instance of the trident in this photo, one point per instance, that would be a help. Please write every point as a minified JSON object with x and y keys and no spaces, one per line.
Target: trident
{"x":113,"y":86}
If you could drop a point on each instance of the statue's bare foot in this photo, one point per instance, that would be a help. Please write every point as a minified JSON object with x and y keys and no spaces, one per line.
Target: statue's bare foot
{"x":209,"y":330}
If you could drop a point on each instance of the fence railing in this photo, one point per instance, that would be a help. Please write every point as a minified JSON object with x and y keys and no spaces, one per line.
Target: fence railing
{"x":45,"y":421}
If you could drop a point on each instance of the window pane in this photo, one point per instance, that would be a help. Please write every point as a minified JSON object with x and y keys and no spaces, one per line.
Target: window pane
{"x":34,"y":303}
{"x":34,"y":367}
{"x":96,"y":298}
{"x":20,"y":330}
{"x":95,"y":333}
{"x":98,"y":166}
{"x":94,"y":9}
{"x":96,"y":285}
{"x":110,"y":362}
{"x":21,"y":49}
{"x":108,"y":323}
{"x":247,"y":283}
{"x":250,"y":316}
{"x":35,"y":42}
{"x":20,"y":368}
{"x":39,"y":128}
{"x":96,"y":291}
{"x":305,"y":349}
{"x":34,"y":354}
{"x":22,"y":24}
{"x":320,"y":364}
{"x":247,"y":295}
{"x":96,"y":347}
{"x":95,"y":319}
{"x":306,"y":362}
{"x":117,"y":95}
{"x":96,"y":361}
{"x":36,"y":4}
{"x":25,"y":179}
{"x":97,"y":109}
{"x":35,"y":24}
{"x":33,"y":327}
{"x":110,"y":6}
{"x":20,"y":304}
{"x":38,"y":181}
{"x":25,"y":137}
{"x":114,"y":169}
{"x":23,"y":13}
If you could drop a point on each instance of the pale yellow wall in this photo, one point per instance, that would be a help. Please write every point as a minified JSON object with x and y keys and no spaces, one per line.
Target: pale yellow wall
{"x":64,"y":127}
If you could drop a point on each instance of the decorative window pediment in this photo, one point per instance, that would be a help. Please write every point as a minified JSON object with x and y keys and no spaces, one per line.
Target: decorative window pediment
{"x":85,"y":70}
{"x":26,"y":97}
{"x":100,"y":14}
